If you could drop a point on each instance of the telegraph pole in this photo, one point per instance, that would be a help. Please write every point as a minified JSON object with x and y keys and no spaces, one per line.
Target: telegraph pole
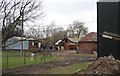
{"x":21,"y":52}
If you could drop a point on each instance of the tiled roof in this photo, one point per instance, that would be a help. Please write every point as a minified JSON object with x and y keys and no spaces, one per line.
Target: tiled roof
{"x":74,"y":39}
{"x":89,"y":37}
{"x":19,"y":38}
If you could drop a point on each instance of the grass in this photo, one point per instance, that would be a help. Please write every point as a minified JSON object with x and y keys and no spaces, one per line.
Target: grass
{"x":0,"y":59}
{"x":69,"y":69}
{"x":11,"y":53}
{"x":15,"y":60}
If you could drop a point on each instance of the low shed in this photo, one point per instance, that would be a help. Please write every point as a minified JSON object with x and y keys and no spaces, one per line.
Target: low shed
{"x":30,"y":44}
{"x":88,"y":44}
{"x":70,"y":43}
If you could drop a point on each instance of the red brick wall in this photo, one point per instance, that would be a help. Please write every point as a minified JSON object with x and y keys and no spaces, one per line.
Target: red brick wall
{"x":87,"y":47}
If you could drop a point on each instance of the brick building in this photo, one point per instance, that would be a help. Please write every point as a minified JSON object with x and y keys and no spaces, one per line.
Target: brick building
{"x":88,"y":44}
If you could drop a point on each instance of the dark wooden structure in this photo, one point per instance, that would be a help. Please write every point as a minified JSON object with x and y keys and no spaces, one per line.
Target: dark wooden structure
{"x":34,"y":45}
{"x":108,"y":19}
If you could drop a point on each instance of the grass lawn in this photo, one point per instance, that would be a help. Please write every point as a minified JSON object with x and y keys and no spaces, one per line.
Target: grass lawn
{"x":15,"y":60}
{"x":0,"y":59}
{"x":69,"y":69}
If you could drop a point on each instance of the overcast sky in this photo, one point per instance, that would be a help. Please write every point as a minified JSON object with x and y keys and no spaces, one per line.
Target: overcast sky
{"x":64,"y":12}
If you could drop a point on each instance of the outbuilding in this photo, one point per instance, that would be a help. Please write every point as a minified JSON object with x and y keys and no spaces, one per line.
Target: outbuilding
{"x":30,"y":44}
{"x":88,"y":44}
{"x":58,"y":45}
{"x":70,"y":43}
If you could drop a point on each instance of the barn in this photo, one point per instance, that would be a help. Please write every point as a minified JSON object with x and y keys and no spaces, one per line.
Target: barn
{"x":88,"y":44}
{"x":57,"y":45}
{"x":108,"y":19}
{"x":70,"y":43}
{"x":30,"y":44}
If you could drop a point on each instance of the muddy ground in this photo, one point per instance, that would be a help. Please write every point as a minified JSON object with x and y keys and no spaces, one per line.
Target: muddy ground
{"x":65,"y":58}
{"x":103,"y":65}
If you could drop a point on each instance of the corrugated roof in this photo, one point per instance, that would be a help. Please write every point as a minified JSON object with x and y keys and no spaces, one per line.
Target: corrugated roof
{"x":19,"y":38}
{"x":89,"y":37}
{"x":109,"y":1}
{"x":74,"y":39}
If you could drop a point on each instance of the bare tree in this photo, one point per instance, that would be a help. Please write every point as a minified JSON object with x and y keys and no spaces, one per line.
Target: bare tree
{"x":12,"y":12}
{"x":58,"y":34}
{"x":50,"y":32}
{"x":50,"y":29}
{"x":41,"y":31}
{"x":37,"y":32}
{"x":77,"y":28}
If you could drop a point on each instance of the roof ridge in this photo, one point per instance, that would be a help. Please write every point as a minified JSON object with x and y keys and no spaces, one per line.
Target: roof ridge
{"x":89,"y":37}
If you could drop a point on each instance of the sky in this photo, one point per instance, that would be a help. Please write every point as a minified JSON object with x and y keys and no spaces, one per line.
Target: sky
{"x":64,"y":12}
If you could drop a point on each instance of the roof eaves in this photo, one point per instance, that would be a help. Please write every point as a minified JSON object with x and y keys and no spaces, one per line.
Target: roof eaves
{"x":74,"y":39}
{"x":109,"y":1}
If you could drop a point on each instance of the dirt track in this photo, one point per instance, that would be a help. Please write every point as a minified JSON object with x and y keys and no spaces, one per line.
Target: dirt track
{"x":65,"y":58}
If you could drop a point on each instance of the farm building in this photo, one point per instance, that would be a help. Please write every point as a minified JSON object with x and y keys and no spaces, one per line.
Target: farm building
{"x":70,"y":43}
{"x":45,"y":43}
{"x":108,"y":19}
{"x":58,"y":45}
{"x":30,"y":44}
{"x":88,"y":44}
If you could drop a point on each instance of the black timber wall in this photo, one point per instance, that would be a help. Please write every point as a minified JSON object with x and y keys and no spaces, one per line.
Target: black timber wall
{"x":108,"y":19}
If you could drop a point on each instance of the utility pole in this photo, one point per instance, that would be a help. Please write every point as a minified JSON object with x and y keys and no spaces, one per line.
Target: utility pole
{"x":21,"y":52}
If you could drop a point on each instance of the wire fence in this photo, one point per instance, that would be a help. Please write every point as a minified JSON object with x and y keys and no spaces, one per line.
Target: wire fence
{"x":26,"y":59}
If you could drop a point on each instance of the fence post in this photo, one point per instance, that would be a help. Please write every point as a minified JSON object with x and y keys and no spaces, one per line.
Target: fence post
{"x":24,"y":58}
{"x":7,"y":60}
{"x":35,"y":58}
